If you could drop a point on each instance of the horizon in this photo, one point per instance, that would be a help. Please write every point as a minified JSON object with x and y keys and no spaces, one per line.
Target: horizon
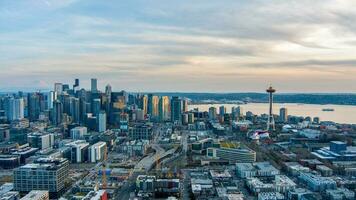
{"x":297,"y":46}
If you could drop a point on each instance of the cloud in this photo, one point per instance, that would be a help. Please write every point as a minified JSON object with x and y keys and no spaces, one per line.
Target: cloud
{"x":229,"y":45}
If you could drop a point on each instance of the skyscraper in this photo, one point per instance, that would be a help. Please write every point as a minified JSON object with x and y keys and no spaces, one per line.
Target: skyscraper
{"x":176,"y":109}
{"x":94,"y":85}
{"x":222,"y":110}
{"x":283,"y":114}
{"x":96,"y":106}
{"x":163,"y":108}
{"x":75,"y":109}
{"x":153,"y":101}
{"x":58,"y":87}
{"x":57,"y":112}
{"x":102,"y":121}
{"x":212,"y":113}
{"x":76,"y":85}
{"x":144,"y":104}
{"x":185,"y":105}
{"x":36,"y":103}
{"x":51,"y":96}
{"x":15,"y":108}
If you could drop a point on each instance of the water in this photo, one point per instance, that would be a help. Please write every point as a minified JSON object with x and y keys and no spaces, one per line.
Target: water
{"x":341,"y":113}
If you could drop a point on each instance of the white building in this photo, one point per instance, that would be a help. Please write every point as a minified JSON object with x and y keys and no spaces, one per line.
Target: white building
{"x":97,"y":152}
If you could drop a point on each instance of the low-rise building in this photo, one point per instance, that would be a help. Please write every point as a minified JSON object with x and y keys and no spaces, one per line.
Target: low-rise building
{"x":270,"y":196}
{"x":340,"y":194}
{"x":256,"y":186}
{"x":233,"y":155}
{"x":317,"y":183}
{"x":43,"y":174}
{"x":245,"y":170}
{"x":283,"y":184}
{"x":36,"y":195}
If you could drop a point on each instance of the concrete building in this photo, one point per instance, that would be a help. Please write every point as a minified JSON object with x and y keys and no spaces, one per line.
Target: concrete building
{"x":140,"y":132}
{"x":43,"y":174}
{"x":134,"y":147}
{"x":317,"y":183}
{"x":78,"y":151}
{"x":233,"y":155}
{"x":283,"y":184}
{"x":78,"y":133}
{"x":245,"y":170}
{"x":40,"y":140}
{"x":97,"y":152}
{"x":256,"y":186}
{"x":145,"y":183}
{"x":270,"y":196}
{"x":340,"y":194}
{"x":266,"y":169}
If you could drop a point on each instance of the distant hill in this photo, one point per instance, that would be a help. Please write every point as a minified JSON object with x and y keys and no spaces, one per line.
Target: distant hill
{"x":341,"y":99}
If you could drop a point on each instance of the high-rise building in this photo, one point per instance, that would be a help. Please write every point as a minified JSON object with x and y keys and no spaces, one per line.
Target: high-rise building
{"x":102,"y":121}
{"x":176,"y":109}
{"x":15,"y":108}
{"x":96,"y":106}
{"x":185,"y":105}
{"x":76,"y":85}
{"x":153,"y":105}
{"x":74,"y":109}
{"x":57,"y":112}
{"x":108,"y":91}
{"x":163,"y":108}
{"x":222,"y":110}
{"x":43,"y":174}
{"x":35,"y":104}
{"x":144,"y":104}
{"x":94,"y":85}
{"x":212,"y":113}
{"x":283,"y":114}
{"x":51,"y":97}
{"x":58,"y":87}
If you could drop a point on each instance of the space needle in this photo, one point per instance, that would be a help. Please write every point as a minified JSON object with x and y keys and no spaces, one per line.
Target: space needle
{"x":270,"y":122}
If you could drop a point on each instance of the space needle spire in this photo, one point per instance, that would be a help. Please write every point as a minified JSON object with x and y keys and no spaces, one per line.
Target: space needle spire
{"x":270,"y":122}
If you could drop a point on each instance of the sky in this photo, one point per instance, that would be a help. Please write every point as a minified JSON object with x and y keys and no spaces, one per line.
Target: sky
{"x":180,"y":45}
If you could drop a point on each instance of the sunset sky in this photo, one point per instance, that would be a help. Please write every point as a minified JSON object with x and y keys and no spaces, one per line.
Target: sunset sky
{"x":187,"y":46}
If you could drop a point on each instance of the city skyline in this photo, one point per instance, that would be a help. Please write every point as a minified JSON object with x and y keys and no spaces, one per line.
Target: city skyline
{"x":225,"y":46}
